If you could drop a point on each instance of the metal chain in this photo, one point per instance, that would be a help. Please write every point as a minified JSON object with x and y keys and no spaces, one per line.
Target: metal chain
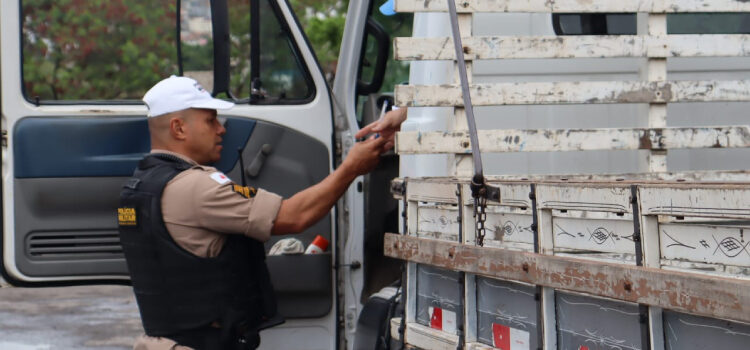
{"x":480,"y":216}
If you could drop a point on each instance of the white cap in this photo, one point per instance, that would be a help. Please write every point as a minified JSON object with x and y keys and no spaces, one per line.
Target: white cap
{"x":177,"y":93}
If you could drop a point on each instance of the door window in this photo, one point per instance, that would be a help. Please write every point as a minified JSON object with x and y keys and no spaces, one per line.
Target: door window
{"x":283,"y":78}
{"x":95,"y":50}
{"x":116,"y":50}
{"x":196,"y":42}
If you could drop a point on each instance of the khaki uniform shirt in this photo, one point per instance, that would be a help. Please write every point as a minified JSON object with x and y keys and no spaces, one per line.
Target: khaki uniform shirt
{"x":200,"y":206}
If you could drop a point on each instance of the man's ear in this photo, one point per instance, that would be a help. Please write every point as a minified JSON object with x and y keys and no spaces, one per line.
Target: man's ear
{"x":177,"y":128}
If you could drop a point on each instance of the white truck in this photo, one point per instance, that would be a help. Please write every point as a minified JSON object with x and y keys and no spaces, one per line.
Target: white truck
{"x":70,"y":138}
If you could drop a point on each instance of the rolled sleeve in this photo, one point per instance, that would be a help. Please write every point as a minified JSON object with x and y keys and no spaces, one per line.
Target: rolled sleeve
{"x":262,"y":216}
{"x":201,"y":201}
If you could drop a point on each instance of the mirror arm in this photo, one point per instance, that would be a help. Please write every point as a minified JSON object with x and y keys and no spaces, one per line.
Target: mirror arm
{"x":255,"y":83}
{"x":220,"y":24}
{"x":178,"y":39}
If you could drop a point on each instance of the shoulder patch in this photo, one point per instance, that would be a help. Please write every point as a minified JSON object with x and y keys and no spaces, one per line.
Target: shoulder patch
{"x":245,"y":191}
{"x":220,"y":177}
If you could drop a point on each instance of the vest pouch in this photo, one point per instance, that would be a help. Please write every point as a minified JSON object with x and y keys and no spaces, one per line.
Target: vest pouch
{"x":141,"y":249}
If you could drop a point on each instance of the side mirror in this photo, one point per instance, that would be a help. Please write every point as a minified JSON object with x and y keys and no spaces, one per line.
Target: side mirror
{"x":382,"y":42}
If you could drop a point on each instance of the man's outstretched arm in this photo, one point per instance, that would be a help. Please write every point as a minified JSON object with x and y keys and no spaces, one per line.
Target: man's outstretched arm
{"x":308,"y":206}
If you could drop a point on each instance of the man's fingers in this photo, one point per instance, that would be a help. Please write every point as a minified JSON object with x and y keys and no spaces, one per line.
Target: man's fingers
{"x":363,"y":132}
{"x":378,"y":141}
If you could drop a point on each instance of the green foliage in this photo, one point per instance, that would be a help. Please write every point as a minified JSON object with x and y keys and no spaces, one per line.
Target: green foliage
{"x":325,"y":36}
{"x":96,"y":49}
{"x":323,"y":22}
{"x":117,"y":49}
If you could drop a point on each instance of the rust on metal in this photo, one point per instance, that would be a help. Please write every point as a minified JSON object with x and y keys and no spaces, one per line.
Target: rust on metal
{"x":726,"y":298}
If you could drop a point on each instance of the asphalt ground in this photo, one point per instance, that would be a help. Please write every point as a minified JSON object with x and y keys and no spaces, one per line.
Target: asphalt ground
{"x":90,"y":317}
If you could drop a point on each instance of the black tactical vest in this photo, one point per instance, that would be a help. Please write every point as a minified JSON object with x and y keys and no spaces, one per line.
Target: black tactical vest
{"x":182,"y":296}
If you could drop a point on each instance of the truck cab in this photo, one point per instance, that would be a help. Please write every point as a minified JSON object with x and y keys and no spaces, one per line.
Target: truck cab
{"x":74,"y":127}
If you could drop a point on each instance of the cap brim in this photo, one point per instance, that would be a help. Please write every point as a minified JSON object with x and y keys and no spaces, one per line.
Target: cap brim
{"x":213,"y":103}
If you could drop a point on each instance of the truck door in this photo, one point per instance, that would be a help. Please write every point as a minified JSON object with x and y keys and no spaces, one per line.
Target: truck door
{"x":74,"y":128}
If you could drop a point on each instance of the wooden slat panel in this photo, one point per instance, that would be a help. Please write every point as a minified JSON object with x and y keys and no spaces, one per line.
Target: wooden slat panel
{"x":734,"y":176}
{"x":587,"y":46}
{"x":705,"y":244}
{"x":692,"y":293}
{"x":729,"y":201}
{"x":606,"y":236}
{"x":591,"y":197}
{"x":706,"y":177}
{"x":438,"y":222}
{"x":546,"y":140}
{"x":511,"y":194}
{"x":427,"y":338}
{"x":587,"y":6}
{"x":504,"y":228}
{"x":432,"y":191}
{"x":590,"y":92}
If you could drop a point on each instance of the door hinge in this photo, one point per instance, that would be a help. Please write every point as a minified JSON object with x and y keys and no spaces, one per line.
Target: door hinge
{"x":5,"y":138}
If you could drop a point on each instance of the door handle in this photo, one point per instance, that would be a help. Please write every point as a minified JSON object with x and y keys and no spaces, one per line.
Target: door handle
{"x":253,"y":170}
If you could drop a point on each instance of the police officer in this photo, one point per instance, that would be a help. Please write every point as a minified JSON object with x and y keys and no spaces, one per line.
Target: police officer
{"x":193,"y":239}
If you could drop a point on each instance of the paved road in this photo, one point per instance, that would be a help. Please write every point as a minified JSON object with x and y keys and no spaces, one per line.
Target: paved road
{"x":95,"y":317}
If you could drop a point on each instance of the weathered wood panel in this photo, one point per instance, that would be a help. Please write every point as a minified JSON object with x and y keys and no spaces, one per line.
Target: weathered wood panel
{"x":504,"y":228}
{"x":562,"y":140}
{"x":427,"y":338}
{"x":728,"y":201}
{"x":511,"y":194}
{"x":705,"y":244}
{"x":735,"y":176}
{"x":432,"y":191}
{"x":586,"y":46}
{"x":730,"y":271}
{"x":589,"y":92}
{"x":586,"y":6}
{"x":665,"y":179}
{"x":605,"y":236}
{"x":439,"y":222}
{"x":692,"y":293}
{"x":594,"y":197}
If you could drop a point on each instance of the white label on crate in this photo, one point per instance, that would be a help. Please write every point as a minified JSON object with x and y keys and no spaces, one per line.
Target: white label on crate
{"x":507,"y":338}
{"x":443,"y":320}
{"x":449,"y":321}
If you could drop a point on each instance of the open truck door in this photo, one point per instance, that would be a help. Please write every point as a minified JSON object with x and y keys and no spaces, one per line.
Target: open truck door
{"x":74,"y":129}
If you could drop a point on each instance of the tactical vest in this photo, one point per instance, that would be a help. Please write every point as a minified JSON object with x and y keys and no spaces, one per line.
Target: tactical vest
{"x":182,"y":296}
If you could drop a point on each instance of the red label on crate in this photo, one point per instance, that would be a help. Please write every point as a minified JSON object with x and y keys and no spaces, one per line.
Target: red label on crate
{"x":507,"y":338}
{"x":583,"y":347}
{"x":501,"y":336}
{"x":436,"y":319}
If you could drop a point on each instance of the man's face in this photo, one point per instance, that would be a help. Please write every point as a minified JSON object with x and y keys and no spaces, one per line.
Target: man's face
{"x":204,"y":134}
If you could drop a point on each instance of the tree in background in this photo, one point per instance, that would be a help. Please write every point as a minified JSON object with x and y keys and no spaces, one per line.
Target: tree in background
{"x":117,"y":49}
{"x":96,"y":49}
{"x":323,"y":22}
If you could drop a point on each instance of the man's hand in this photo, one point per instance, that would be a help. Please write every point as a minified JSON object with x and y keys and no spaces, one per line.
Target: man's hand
{"x":386,"y":127}
{"x":364,"y":156}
